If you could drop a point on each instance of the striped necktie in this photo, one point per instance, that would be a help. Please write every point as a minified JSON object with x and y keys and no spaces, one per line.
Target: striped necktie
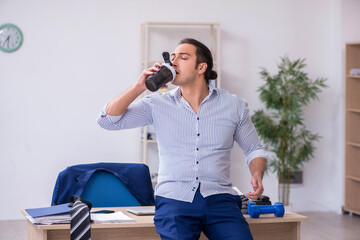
{"x":80,"y":222}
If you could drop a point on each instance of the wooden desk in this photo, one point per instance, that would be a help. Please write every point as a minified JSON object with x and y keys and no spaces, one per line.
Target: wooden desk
{"x":267,"y":227}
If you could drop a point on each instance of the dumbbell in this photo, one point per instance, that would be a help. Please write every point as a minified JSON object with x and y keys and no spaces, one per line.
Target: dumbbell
{"x":255,"y":210}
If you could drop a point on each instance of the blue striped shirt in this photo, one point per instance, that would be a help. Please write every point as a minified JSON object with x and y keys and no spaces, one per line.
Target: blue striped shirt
{"x":193,"y":148}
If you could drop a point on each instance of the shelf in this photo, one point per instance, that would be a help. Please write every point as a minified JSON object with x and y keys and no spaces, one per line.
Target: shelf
{"x":353,"y":144}
{"x":353,"y":43}
{"x":353,"y":76}
{"x":354,"y":110}
{"x":346,"y":209}
{"x":353,"y":178}
{"x":165,"y":24}
{"x":352,"y":130}
{"x":352,"y":194}
{"x":148,"y":141}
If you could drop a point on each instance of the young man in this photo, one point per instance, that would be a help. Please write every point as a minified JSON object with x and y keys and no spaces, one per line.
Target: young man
{"x":196,"y":125}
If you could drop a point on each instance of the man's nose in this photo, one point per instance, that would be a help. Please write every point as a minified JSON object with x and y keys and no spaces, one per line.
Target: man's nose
{"x":174,"y":62}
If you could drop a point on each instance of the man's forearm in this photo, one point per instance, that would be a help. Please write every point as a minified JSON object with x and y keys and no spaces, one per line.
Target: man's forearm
{"x":118,"y":105}
{"x":257,"y":167}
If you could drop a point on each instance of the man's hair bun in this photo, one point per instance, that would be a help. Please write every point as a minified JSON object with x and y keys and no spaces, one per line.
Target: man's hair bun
{"x":212,"y":75}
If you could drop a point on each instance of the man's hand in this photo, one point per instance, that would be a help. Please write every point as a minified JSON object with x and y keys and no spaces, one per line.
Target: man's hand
{"x":257,"y":168}
{"x":147,"y":73}
{"x":257,"y":186}
{"x":118,"y":105}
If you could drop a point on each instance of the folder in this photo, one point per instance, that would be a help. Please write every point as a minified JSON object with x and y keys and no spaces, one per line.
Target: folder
{"x":49,"y":211}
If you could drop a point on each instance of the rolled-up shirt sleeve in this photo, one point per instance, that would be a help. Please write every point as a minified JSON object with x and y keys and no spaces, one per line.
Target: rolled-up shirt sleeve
{"x":137,"y":114}
{"x":247,"y":137}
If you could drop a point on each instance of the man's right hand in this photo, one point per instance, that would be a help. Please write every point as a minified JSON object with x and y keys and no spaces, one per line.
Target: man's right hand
{"x":146,"y":73}
{"x":118,"y":105}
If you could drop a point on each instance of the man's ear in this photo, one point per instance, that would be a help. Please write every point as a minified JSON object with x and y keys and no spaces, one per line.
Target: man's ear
{"x":202,"y":68}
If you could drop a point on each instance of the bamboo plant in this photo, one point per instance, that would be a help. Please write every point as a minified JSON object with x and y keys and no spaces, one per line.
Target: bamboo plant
{"x":281,"y":126}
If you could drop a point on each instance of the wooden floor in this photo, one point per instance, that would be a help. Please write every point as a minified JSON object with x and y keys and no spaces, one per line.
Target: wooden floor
{"x":330,"y":226}
{"x":321,"y":225}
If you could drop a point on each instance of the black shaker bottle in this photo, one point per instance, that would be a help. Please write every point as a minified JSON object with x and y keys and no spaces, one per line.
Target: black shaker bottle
{"x":162,"y":77}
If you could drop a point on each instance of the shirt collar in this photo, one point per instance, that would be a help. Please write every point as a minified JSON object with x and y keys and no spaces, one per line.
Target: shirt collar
{"x":176,"y":93}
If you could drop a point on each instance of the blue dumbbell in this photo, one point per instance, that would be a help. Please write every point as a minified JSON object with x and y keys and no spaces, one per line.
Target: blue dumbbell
{"x":255,"y":210}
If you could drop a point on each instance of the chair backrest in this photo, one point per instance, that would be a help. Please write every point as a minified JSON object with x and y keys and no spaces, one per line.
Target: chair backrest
{"x":105,"y":184}
{"x":105,"y":190}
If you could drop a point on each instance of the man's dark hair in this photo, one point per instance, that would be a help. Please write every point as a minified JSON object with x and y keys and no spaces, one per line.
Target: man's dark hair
{"x":203,"y":54}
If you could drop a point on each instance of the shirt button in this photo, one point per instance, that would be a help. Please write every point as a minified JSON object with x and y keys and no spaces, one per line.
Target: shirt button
{"x":198,"y":118}
{"x":197,"y":149}
{"x":197,"y":178}
{"x":197,"y":162}
{"x":198,"y":134}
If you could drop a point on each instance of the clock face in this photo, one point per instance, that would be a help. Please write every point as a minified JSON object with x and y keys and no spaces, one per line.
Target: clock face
{"x":11,"y":38}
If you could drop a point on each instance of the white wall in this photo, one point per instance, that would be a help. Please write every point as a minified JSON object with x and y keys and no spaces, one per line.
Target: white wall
{"x":78,"y":54}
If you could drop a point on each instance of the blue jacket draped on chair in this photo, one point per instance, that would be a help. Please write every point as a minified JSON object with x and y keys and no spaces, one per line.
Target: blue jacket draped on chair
{"x":134,"y":176}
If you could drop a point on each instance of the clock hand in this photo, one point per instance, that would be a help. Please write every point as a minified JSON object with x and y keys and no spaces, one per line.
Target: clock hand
{"x":7,"y":40}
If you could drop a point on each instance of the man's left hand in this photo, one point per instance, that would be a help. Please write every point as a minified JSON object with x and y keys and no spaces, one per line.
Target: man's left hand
{"x":257,"y":186}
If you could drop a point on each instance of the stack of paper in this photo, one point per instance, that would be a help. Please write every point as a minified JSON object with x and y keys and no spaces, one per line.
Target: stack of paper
{"x":49,"y":215}
{"x":60,"y":214}
{"x":47,"y":220}
{"x":96,"y":217}
{"x":110,"y":217}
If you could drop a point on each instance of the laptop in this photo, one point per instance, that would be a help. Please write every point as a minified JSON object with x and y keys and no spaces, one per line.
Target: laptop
{"x":142,"y":211}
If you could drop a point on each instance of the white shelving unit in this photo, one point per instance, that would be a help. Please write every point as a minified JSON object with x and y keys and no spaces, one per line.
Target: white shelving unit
{"x":157,"y":37}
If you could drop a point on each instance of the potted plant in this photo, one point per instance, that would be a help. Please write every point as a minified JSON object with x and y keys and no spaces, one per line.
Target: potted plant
{"x":281,"y":126}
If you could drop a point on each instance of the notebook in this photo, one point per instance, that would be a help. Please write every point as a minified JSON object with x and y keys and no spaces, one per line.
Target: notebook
{"x":142,"y":211}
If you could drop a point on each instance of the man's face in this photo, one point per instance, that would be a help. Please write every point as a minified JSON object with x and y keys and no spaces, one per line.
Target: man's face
{"x":184,"y":62}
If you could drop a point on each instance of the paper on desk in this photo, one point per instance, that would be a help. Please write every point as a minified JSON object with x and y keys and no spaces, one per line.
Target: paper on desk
{"x":110,"y":217}
{"x":53,"y":219}
{"x":237,"y":190}
{"x":96,"y":217}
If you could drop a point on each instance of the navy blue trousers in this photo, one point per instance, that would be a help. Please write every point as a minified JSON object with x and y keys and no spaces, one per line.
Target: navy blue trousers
{"x":218,"y":216}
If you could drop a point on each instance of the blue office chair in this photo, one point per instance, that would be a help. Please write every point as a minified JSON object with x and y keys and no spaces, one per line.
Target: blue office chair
{"x":106,"y":184}
{"x":105,"y":190}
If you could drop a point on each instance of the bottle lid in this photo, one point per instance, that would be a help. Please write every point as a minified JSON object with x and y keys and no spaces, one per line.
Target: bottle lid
{"x":167,"y":65}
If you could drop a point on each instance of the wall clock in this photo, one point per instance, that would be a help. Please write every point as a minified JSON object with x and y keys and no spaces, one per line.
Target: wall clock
{"x":11,"y":37}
